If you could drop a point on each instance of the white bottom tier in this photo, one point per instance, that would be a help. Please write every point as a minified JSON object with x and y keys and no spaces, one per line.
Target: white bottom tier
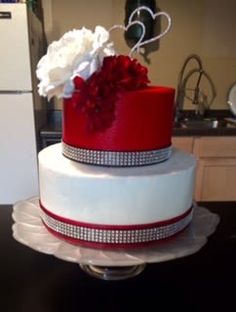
{"x":107,"y":196}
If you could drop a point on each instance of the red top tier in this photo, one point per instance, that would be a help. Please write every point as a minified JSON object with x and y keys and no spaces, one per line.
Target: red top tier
{"x":143,"y":121}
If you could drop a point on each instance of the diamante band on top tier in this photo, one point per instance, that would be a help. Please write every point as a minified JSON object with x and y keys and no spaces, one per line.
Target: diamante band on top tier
{"x":96,"y":235}
{"x":116,"y":158}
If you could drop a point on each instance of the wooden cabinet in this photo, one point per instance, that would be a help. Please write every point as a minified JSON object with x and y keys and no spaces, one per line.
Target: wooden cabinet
{"x":215,"y":180}
{"x":183,"y":143}
{"x":216,"y":166}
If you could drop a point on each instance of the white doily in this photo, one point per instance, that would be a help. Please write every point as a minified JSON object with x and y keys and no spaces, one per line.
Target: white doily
{"x":29,"y":230}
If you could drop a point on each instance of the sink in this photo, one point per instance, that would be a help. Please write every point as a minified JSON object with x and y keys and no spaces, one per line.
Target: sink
{"x":202,"y":123}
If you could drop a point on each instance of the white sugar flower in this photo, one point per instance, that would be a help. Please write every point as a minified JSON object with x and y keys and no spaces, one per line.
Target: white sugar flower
{"x":78,"y":53}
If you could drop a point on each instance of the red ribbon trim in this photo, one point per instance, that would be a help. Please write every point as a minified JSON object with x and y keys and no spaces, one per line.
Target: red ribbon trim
{"x":89,"y":244}
{"x":115,"y":226}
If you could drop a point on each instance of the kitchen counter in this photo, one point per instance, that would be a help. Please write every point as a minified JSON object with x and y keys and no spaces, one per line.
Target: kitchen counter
{"x":204,"y":281}
{"x":52,"y":131}
{"x":198,"y":131}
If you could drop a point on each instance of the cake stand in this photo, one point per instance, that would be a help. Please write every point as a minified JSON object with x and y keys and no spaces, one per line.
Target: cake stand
{"x":29,"y":230}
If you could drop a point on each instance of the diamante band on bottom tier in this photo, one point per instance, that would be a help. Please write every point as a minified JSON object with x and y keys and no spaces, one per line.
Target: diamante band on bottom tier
{"x":115,"y":158}
{"x":113,"y":235}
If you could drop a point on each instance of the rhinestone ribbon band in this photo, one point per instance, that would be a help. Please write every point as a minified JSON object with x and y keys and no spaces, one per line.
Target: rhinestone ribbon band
{"x":97,"y":235}
{"x":118,"y":159}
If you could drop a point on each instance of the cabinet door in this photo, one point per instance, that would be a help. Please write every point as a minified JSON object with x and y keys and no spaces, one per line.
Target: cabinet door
{"x":216,"y":170}
{"x":183,"y":143}
{"x":224,"y":147}
{"x":216,"y":179}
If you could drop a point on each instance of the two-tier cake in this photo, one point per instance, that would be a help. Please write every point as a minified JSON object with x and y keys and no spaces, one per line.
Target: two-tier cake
{"x":114,"y":181}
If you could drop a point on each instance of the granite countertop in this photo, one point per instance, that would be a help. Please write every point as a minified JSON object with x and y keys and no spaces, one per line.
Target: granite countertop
{"x":53,"y":128}
{"x":223,"y":127}
{"x":199,"y":131}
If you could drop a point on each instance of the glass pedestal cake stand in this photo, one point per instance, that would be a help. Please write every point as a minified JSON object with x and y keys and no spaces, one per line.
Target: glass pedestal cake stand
{"x":29,"y":230}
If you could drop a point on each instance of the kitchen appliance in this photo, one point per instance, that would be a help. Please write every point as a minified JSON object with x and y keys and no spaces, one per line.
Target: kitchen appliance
{"x":22,"y":111}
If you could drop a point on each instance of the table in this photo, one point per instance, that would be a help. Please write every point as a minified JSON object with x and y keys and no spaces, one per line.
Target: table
{"x":205,"y":281}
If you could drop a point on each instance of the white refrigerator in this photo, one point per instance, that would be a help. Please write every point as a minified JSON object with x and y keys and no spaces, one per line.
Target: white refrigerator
{"x":22,"y":111}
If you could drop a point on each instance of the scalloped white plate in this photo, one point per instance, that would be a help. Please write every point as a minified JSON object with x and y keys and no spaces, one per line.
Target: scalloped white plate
{"x":232,"y":99}
{"x":29,"y":230}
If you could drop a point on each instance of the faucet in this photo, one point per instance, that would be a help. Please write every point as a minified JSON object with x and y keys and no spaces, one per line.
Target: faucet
{"x":182,"y":81}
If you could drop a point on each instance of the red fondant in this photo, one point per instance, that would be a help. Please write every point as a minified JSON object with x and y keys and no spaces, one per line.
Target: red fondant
{"x":143,"y":121}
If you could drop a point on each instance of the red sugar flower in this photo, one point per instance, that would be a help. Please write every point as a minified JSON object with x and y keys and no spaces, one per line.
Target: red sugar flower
{"x":97,"y":96}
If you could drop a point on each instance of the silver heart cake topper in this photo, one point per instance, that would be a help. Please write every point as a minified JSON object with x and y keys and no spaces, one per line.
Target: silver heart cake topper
{"x":125,"y":28}
{"x":132,"y":22}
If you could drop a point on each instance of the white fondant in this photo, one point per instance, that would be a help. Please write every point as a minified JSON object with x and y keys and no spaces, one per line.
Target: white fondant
{"x":108,"y":195}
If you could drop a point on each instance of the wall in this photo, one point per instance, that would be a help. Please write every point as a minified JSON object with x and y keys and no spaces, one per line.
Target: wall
{"x":204,"y":27}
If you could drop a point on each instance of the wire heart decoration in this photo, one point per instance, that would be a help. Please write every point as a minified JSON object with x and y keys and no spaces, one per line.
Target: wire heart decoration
{"x":132,"y":22}
{"x":125,"y":28}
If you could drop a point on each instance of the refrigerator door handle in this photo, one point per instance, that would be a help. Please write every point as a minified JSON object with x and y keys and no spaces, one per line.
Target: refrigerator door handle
{"x":5,"y":15}
{"x":15,"y":91}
